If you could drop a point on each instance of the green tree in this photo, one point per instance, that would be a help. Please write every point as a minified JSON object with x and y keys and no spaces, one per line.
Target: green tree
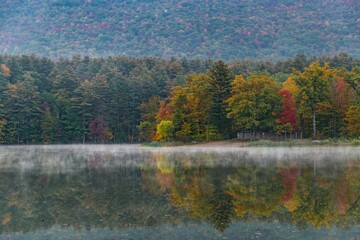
{"x":148,"y":118}
{"x":4,"y":75}
{"x":313,"y":89}
{"x":2,"y":128}
{"x":353,"y":120}
{"x":220,"y":79}
{"x":198,"y":107}
{"x":145,"y":131}
{"x":254,"y":103}
{"x":84,"y":103}
{"x":331,"y":113}
{"x":64,"y":82}
{"x":165,"y":130}
{"x":22,"y":110}
{"x":189,"y":106}
{"x":47,"y":124}
{"x":353,"y":78}
{"x":64,"y":85}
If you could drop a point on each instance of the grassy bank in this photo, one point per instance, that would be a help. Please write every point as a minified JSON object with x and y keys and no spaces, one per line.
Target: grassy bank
{"x":305,"y":143}
{"x":262,"y":143}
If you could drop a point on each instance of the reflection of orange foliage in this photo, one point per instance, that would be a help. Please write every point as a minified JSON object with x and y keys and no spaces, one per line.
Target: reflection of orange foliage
{"x":166,"y":180}
{"x":193,"y":196}
{"x":346,"y":193}
{"x":164,"y":174}
{"x":289,"y":179}
{"x":342,"y":206}
{"x":342,"y":193}
{"x":6,"y":219}
{"x":162,"y":179}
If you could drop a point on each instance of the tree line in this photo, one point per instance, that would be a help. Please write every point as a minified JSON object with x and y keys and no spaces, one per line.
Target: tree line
{"x":319,"y":101}
{"x":124,"y":99}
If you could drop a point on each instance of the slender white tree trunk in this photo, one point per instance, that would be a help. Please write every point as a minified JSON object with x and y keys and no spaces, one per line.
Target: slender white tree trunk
{"x":314,"y":125}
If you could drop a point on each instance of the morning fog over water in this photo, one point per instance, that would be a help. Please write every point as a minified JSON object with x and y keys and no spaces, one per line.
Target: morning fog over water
{"x":134,"y":192}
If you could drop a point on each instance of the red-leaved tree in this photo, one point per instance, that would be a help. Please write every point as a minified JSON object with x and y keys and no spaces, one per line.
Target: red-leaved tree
{"x":287,"y":117}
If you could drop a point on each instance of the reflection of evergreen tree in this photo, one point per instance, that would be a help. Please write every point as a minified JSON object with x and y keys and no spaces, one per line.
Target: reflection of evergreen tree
{"x":222,"y":210}
{"x":200,"y":191}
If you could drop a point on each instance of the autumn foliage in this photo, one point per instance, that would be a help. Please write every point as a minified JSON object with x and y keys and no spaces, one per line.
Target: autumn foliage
{"x":121,"y":99}
{"x":288,"y":113}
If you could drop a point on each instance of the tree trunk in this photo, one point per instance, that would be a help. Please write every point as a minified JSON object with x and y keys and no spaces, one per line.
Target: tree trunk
{"x":84,"y":130}
{"x":314,"y":125}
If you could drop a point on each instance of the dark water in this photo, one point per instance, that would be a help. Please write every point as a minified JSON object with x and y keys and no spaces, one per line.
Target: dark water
{"x":130,"y":192}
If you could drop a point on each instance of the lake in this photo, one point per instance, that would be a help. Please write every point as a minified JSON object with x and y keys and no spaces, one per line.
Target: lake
{"x":134,"y":192}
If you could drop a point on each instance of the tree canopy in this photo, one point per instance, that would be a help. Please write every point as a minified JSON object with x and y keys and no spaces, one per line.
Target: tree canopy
{"x":122,"y":99}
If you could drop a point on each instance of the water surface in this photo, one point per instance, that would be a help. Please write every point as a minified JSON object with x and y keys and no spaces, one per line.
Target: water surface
{"x":133,"y":192}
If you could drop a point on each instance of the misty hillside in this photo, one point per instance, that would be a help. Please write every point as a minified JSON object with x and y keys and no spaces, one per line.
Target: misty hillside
{"x":163,"y":28}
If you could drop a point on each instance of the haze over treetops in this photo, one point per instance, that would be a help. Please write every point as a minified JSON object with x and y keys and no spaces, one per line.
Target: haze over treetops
{"x":164,"y":28}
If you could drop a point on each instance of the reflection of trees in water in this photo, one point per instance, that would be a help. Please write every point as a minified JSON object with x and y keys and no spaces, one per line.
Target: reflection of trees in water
{"x":222,"y":209}
{"x":255,"y":190}
{"x":315,"y":205}
{"x":91,"y":199}
{"x":192,"y":186}
{"x":157,"y":194}
{"x":325,"y":196}
{"x":298,"y":193}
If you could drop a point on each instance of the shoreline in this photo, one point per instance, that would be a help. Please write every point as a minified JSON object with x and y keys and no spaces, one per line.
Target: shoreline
{"x":260,"y":143}
{"x":221,"y":143}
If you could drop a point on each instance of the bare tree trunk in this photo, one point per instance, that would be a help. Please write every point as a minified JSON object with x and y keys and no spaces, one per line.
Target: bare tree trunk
{"x":314,"y":124}
{"x":84,"y":130}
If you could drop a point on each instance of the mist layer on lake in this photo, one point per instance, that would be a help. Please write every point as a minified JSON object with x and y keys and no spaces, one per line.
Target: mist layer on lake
{"x":68,"y":158}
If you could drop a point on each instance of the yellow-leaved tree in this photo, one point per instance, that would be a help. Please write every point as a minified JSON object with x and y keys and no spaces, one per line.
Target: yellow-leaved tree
{"x":314,"y":85}
{"x":353,"y":120}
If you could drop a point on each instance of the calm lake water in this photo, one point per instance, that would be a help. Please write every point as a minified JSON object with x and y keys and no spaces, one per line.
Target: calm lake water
{"x":133,"y":192}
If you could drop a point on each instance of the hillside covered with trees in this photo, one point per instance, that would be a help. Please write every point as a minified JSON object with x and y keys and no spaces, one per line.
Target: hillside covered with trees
{"x":261,"y":29}
{"x":122,"y":99}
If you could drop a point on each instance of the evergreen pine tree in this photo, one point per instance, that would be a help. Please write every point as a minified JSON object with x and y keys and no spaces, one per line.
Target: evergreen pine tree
{"x":220,"y":90}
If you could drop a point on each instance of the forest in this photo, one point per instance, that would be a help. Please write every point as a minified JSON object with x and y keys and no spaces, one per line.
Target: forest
{"x":260,"y":29}
{"x":123,"y":99}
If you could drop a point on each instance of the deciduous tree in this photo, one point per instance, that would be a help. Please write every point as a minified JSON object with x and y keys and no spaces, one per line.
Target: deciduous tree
{"x":165,"y":130}
{"x":352,"y":119}
{"x":313,"y":89}
{"x":254,"y":103}
{"x":287,"y":116}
